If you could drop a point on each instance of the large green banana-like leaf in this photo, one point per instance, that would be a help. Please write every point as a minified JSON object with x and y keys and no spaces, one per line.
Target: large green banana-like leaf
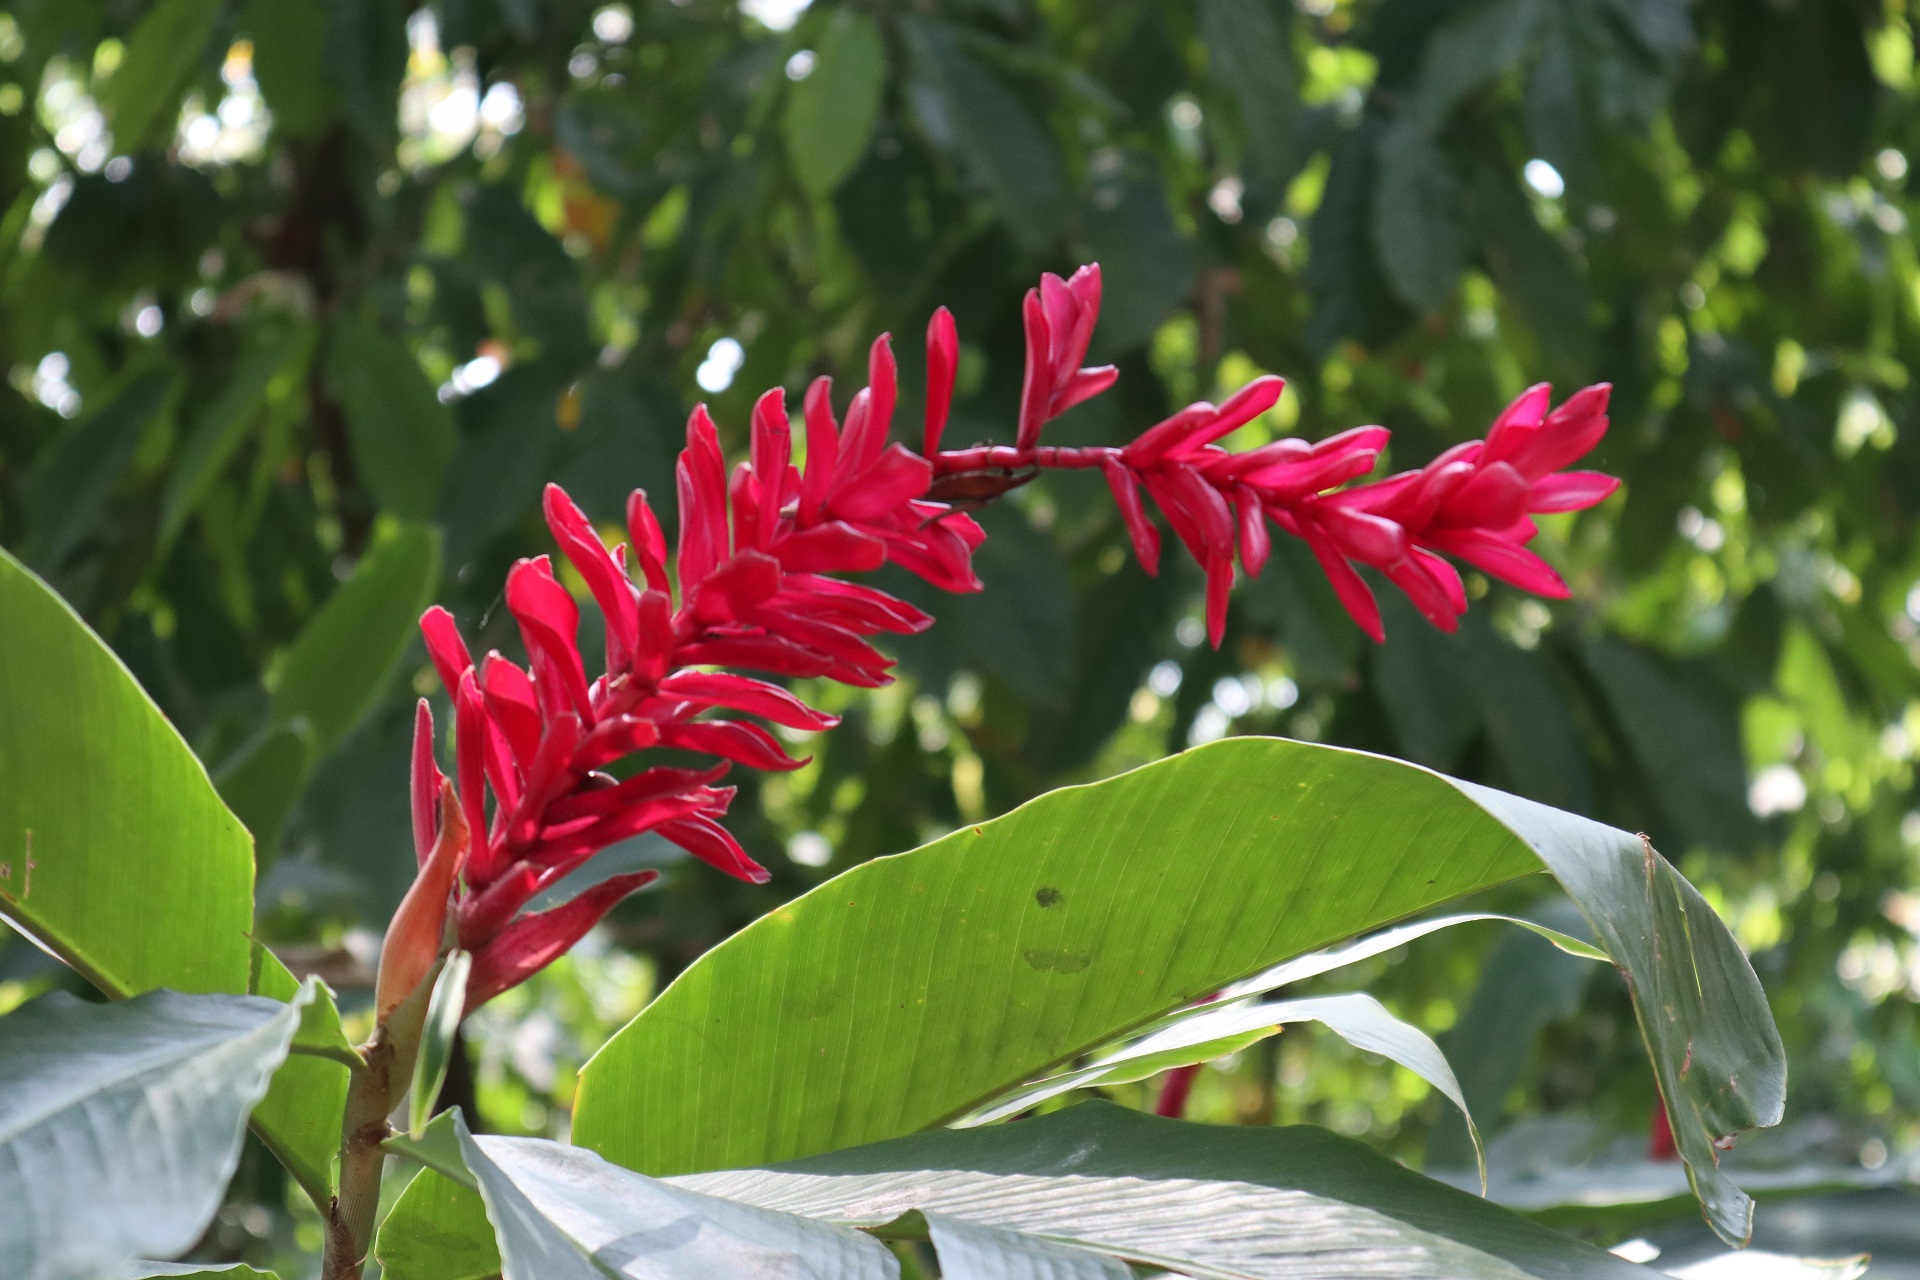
{"x":116,"y":853}
{"x":1068,"y":1196}
{"x":121,"y":1124}
{"x":912,"y":989}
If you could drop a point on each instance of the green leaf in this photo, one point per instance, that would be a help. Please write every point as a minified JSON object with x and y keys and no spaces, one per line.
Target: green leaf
{"x":971,"y":1251}
{"x":199,"y":1271}
{"x":1252,"y":1203}
{"x":70,"y":484}
{"x":449,"y":1000}
{"x":403,"y":437}
{"x":140,"y":877}
{"x":220,"y":431}
{"x":1477,"y":43}
{"x":1420,"y":243}
{"x":830,"y":114}
{"x":1247,"y":52}
{"x":120,"y":1124}
{"x":1006,"y":150}
{"x":299,"y":1119}
{"x":142,"y":99}
{"x":910,"y":990}
{"x":262,"y":782}
{"x":290,"y":62}
{"x":1147,"y":267}
{"x":1687,"y":743}
{"x":560,"y":1213}
{"x":343,"y":660}
{"x":1194,"y":1036}
{"x":437,"y":1230}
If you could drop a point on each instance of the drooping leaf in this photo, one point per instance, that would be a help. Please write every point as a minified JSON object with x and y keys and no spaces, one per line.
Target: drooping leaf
{"x":403,"y":437}
{"x":910,"y":990}
{"x":119,"y":857}
{"x":340,"y":664}
{"x":1419,"y":240}
{"x":143,"y":96}
{"x":830,"y":114}
{"x":1236,"y":1203}
{"x":1357,"y":1018}
{"x":1005,"y":148}
{"x":120,"y":1124}
{"x":561,"y":1212}
{"x":199,"y":1271}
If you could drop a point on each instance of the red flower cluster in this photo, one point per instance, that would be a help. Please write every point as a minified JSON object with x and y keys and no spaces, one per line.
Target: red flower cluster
{"x":756,"y":567}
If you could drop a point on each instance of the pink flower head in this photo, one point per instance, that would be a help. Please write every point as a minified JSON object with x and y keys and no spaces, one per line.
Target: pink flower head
{"x":755,"y":556}
{"x":755,"y":583}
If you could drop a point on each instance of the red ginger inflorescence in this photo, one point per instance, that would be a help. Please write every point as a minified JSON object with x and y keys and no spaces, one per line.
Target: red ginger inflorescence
{"x":758,"y":566}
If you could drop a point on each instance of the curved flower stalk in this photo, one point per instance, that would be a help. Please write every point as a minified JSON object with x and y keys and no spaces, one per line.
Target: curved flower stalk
{"x":756,"y":585}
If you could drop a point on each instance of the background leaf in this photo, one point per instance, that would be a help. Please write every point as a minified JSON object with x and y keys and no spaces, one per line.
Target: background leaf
{"x":402,"y":435}
{"x":831,"y":113}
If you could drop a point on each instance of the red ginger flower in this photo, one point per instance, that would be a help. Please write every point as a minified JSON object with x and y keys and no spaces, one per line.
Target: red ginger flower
{"x":755,"y":551}
{"x":755,"y":559}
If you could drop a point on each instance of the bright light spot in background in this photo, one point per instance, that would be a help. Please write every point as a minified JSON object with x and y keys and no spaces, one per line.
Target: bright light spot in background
{"x":614,"y":24}
{"x":1891,"y":164}
{"x":148,"y":320}
{"x":800,"y":65}
{"x":1186,"y":114}
{"x":442,"y":108}
{"x":1208,"y":726}
{"x":1224,"y":199}
{"x":237,"y":128}
{"x":1775,"y":789}
{"x":1282,"y":693}
{"x":1703,"y":532}
{"x":1231,"y":697}
{"x":50,"y":384}
{"x":582,"y":64}
{"x":1637,"y":1250}
{"x":810,"y":849}
{"x":1189,"y":632}
{"x":774,"y":15}
{"x":1164,"y":679}
{"x":1545,"y":179}
{"x":118,"y":169}
{"x":724,"y":359}
{"x":481,"y":371}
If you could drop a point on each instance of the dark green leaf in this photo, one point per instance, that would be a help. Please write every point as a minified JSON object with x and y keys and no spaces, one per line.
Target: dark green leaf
{"x":1247,"y":52}
{"x":290,"y":62}
{"x":143,"y":98}
{"x":262,"y":782}
{"x":1146,"y":264}
{"x":403,"y":437}
{"x":1008,"y":152}
{"x":1479,"y":41}
{"x":831,"y":113}
{"x":1414,"y":230}
{"x":340,"y":664}
{"x":213,"y":440}
{"x":437,"y":1230}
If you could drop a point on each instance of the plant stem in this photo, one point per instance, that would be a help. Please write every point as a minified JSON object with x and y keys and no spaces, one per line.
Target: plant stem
{"x":372,"y":1094}
{"x":364,"y":1127}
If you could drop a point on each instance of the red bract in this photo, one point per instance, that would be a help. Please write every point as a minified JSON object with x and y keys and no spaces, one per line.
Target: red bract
{"x":754,"y":557}
{"x":758,"y":562}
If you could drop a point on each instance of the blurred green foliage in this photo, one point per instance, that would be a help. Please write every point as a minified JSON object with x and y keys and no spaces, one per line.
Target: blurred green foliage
{"x":284,"y":281}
